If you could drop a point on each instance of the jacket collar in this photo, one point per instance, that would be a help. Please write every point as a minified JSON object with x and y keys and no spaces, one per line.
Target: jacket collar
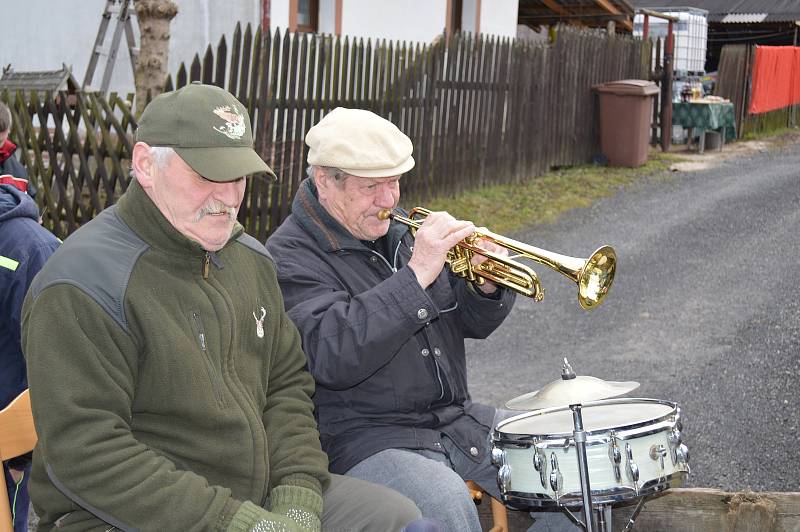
{"x":7,"y":149}
{"x":326,"y":231}
{"x":139,"y":212}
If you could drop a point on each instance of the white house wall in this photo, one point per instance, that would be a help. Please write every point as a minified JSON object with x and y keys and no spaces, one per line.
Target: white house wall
{"x":499,"y":17}
{"x":327,"y":16}
{"x":43,"y":34}
{"x":279,"y":14}
{"x":405,"y":20}
{"x":46,"y":33}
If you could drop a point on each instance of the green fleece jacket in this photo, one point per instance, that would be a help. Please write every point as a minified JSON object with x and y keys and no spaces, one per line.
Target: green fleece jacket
{"x":169,"y":388}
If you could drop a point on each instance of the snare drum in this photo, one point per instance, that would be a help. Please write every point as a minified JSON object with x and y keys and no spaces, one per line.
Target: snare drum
{"x":633,"y":449}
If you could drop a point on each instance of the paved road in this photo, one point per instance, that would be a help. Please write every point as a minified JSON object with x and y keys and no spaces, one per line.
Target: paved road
{"x":705,"y":312}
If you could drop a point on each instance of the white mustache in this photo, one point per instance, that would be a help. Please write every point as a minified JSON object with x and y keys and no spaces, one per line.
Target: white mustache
{"x":215,"y":208}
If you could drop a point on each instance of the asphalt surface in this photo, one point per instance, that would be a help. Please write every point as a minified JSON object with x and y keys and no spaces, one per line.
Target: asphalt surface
{"x":704,"y":312}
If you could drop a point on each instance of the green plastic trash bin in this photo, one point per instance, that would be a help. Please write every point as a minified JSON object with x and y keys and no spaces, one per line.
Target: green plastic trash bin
{"x":626,"y":107}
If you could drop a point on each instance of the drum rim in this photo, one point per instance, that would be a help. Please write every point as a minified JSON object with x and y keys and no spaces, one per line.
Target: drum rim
{"x":606,"y":496}
{"x":622,"y":432}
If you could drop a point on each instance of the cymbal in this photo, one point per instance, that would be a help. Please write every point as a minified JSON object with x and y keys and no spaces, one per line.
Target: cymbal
{"x":570,"y":389}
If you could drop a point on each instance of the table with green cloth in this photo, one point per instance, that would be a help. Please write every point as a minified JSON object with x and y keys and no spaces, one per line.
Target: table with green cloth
{"x":704,"y":115}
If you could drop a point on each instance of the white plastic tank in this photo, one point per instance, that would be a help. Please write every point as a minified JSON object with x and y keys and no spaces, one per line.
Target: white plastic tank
{"x":690,"y":33}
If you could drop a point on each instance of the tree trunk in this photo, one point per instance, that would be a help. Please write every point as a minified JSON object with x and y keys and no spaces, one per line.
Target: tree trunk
{"x":151,"y":68}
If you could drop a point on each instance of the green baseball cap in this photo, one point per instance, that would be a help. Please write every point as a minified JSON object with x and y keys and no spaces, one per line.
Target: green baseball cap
{"x":208,"y":127}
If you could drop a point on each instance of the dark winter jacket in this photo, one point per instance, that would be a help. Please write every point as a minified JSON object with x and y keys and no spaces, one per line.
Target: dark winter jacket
{"x":24,"y":247}
{"x":167,"y":383}
{"x":388,"y":357}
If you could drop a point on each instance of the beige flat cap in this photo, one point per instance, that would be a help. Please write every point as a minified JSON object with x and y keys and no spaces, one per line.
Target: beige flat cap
{"x":359,"y":143}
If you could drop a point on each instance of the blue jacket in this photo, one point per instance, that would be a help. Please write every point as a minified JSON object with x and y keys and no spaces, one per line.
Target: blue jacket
{"x":24,"y":246}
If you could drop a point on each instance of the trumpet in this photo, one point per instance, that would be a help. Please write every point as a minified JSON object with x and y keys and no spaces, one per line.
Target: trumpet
{"x":593,"y":276}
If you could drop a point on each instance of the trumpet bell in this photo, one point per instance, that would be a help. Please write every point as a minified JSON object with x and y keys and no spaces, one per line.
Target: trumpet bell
{"x":596,"y":276}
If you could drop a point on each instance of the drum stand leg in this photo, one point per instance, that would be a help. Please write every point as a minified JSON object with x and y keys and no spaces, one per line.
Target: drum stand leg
{"x":604,"y":518}
{"x":583,"y":467}
{"x":634,"y":515}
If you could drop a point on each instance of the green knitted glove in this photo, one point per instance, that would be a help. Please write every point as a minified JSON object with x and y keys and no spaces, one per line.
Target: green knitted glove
{"x":252,"y":518}
{"x":302,"y":505}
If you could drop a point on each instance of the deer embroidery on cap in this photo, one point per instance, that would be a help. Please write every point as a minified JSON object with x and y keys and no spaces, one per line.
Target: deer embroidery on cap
{"x":234,"y":127}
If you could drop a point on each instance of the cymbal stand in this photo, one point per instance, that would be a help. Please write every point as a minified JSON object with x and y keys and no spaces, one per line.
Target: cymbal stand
{"x":579,"y":435}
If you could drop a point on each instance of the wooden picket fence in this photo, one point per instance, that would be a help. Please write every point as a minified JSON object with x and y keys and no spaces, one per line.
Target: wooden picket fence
{"x":479,"y":110}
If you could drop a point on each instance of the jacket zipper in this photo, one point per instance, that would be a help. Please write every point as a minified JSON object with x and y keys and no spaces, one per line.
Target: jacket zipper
{"x":213,"y":374}
{"x":206,"y":262}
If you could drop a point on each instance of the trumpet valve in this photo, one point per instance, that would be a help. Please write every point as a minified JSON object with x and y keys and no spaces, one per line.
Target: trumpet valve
{"x":460,"y":266}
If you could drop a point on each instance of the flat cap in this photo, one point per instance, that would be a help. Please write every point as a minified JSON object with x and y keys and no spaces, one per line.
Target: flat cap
{"x":359,"y":143}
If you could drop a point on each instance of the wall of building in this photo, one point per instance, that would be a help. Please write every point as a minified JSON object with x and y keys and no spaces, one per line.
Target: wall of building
{"x":499,"y":17}
{"x":408,"y":20}
{"x":279,"y":14}
{"x":64,"y":31}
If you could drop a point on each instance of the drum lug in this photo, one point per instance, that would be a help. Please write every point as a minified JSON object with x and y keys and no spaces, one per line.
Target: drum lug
{"x":674,"y":439}
{"x":540,"y":465}
{"x":504,"y":478}
{"x":498,"y":456}
{"x":657,"y":454}
{"x":631,"y":468}
{"x":682,"y":453}
{"x":615,"y":456}
{"x":556,"y":479}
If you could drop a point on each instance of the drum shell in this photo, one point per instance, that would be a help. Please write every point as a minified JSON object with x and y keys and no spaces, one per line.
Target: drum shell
{"x":524,"y":486}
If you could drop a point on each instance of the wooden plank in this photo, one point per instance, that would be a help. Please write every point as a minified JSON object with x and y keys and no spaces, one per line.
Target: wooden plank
{"x":92,"y":146}
{"x":44,"y":172}
{"x":694,"y":510}
{"x":207,"y":75}
{"x":282,"y":136}
{"x":70,"y":202}
{"x":704,"y":509}
{"x":260,"y":186}
{"x":310,"y":110}
{"x":221,"y":63}
{"x":236,"y":50}
{"x":196,"y":69}
{"x":113,"y":148}
{"x":245,"y":66}
{"x":276,"y":122}
{"x":296,"y":117}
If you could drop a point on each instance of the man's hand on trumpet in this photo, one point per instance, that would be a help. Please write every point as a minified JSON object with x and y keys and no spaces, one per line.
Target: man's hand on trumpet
{"x":437,"y":235}
{"x":488,"y":287}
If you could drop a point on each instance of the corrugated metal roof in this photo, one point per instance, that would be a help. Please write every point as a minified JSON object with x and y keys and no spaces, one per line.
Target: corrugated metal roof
{"x":745,"y":10}
{"x":744,"y":18}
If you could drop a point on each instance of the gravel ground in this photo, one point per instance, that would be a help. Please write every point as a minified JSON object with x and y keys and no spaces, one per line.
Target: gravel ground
{"x":704,"y":311}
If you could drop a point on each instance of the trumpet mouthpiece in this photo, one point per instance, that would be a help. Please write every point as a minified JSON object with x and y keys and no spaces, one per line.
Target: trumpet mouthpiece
{"x":384,"y":214}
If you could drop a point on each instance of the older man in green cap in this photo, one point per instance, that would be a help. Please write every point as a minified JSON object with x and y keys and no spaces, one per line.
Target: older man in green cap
{"x":168,"y":386}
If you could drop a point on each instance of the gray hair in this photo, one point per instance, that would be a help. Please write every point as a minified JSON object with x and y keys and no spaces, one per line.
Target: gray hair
{"x":5,"y":118}
{"x":328,"y":171}
{"x":161,"y":155}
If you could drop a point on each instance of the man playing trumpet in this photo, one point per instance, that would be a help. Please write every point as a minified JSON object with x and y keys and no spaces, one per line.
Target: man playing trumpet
{"x":383,"y":322}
